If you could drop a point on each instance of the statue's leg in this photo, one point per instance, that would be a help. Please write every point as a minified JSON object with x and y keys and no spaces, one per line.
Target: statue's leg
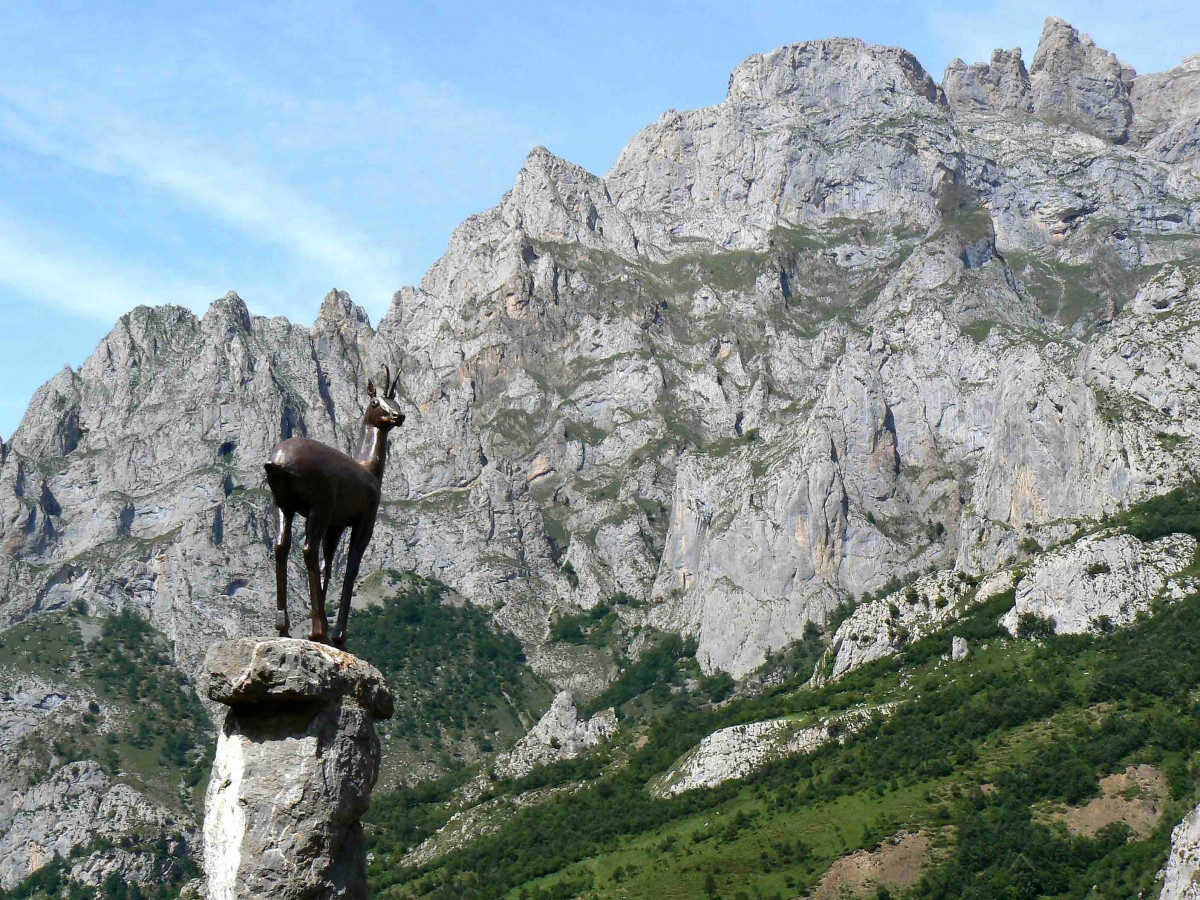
{"x":359,"y":538}
{"x":332,"y":536}
{"x":314,"y":534}
{"x":283,"y":544}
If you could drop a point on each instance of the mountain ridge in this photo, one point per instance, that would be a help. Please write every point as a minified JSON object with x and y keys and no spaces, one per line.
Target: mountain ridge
{"x":845,"y":326}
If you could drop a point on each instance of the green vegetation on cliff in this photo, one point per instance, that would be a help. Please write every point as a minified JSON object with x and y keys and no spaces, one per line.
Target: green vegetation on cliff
{"x":982,"y":756}
{"x":461,"y":686}
{"x":143,"y":721}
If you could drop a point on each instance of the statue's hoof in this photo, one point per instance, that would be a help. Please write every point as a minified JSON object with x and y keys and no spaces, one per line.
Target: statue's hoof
{"x":339,"y":642}
{"x":281,"y":624}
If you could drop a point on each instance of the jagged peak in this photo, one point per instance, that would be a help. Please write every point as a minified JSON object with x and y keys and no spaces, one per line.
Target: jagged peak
{"x":1077,"y":83}
{"x":229,"y":308}
{"x":556,"y":199}
{"x":999,"y":85}
{"x":337,"y":307}
{"x":825,"y":69}
{"x":547,"y":164}
{"x":1059,"y":35}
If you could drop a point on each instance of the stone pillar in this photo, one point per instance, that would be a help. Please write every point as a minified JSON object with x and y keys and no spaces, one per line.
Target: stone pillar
{"x":296,"y":760}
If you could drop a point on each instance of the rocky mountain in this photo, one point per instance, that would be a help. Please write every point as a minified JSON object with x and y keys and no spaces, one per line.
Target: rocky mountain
{"x":847,"y":328}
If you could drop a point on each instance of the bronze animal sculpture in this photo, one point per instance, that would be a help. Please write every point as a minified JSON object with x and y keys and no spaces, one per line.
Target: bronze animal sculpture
{"x":333,"y":491}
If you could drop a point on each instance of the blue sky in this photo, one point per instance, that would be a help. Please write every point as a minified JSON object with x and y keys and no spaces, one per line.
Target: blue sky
{"x":168,"y":152}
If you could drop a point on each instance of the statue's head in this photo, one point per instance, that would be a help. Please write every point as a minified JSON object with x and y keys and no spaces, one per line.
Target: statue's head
{"x":383,"y":412}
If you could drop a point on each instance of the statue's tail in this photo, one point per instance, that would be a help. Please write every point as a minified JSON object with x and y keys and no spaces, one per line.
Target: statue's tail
{"x":276,"y":476}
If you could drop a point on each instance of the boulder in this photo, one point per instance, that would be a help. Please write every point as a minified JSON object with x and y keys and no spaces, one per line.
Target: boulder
{"x":959,"y":648}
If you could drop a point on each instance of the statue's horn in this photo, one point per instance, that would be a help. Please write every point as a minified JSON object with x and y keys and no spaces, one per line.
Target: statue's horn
{"x":387,"y":379}
{"x":391,"y":391}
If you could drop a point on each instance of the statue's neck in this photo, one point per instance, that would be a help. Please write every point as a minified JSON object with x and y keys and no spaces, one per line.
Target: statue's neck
{"x":372,"y":450}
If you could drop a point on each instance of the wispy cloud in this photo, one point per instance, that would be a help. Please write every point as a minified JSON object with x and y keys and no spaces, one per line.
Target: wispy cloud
{"x":305,"y":135}
{"x":87,"y":282}
{"x":95,"y":136}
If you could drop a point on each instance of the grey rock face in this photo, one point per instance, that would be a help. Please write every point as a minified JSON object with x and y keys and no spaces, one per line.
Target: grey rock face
{"x":1076,"y":82}
{"x":1163,"y":99}
{"x":296,"y":760}
{"x":1001,"y":86}
{"x":882,"y":627}
{"x":558,"y":735}
{"x":1181,"y":874}
{"x":782,"y":148}
{"x":734,"y":752}
{"x":1109,"y":577}
{"x":959,"y":649}
{"x":133,"y":867}
{"x":842,"y":326}
{"x":76,"y":805}
{"x":24,"y":705}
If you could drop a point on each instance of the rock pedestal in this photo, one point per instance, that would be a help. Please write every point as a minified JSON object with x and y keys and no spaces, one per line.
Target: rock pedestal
{"x":296,"y":760}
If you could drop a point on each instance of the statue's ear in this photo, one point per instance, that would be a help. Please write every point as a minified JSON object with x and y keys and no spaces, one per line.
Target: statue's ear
{"x":371,"y":388}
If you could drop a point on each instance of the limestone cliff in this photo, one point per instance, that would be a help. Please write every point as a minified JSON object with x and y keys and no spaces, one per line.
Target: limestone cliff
{"x":844,"y":326}
{"x":712,"y":377}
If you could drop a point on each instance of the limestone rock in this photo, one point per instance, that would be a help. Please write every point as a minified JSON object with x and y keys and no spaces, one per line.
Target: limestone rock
{"x":1001,"y":86}
{"x":1106,"y":578}
{"x":1164,"y":99}
{"x":1181,"y":874}
{"x":77,"y":804}
{"x":883,"y":627}
{"x":735,"y":752}
{"x":26,"y":703}
{"x":131,"y":866}
{"x":284,"y":671}
{"x":959,"y":649}
{"x":1076,"y":82}
{"x":767,"y":155}
{"x":296,"y":759}
{"x":558,"y":735}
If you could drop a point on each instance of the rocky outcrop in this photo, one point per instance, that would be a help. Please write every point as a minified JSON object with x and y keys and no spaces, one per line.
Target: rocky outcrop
{"x":1102,"y":581}
{"x":296,"y":759}
{"x":1181,"y":874}
{"x":885,"y":626}
{"x":959,"y":648}
{"x":26,"y":703}
{"x":558,"y":735}
{"x":1001,"y":86}
{"x":131,"y":866}
{"x":1163,"y":100}
{"x":77,"y":804}
{"x":732,"y":172}
{"x":1077,"y":83}
{"x":734,"y":752}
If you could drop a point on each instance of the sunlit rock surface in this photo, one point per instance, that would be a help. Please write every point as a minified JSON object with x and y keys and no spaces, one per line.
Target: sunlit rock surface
{"x":296,"y":759}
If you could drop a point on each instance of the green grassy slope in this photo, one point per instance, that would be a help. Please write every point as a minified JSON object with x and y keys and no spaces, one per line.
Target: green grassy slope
{"x":141,"y":721}
{"x":145,"y":725}
{"x":1037,"y":723}
{"x":462,"y":688}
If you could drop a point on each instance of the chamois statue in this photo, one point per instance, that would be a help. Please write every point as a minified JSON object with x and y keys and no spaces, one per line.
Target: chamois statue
{"x":332,"y":491}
